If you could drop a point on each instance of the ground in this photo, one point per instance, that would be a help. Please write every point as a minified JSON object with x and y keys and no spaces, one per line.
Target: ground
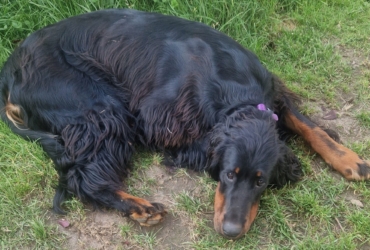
{"x":102,"y":229}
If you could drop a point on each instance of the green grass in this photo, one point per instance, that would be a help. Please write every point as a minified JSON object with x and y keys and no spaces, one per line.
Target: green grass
{"x":364,"y":118}
{"x":192,"y":205}
{"x":314,"y":46}
{"x":26,"y":177}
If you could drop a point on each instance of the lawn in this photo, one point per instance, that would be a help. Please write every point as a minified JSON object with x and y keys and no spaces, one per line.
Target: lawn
{"x":319,"y":48}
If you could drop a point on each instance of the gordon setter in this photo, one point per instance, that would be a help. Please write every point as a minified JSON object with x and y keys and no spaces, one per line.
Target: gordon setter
{"x":91,"y":87}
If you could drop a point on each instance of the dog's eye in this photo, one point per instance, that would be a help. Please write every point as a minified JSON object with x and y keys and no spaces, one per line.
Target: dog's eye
{"x":230,"y":175}
{"x":260,"y":182}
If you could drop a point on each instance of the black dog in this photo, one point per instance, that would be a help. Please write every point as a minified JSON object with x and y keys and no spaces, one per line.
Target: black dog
{"x":91,"y":87}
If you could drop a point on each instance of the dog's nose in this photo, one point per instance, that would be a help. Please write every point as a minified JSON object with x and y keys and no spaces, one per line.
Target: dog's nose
{"x":231,"y":229}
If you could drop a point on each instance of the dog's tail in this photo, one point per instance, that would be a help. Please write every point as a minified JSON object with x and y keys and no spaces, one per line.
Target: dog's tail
{"x":16,"y":118}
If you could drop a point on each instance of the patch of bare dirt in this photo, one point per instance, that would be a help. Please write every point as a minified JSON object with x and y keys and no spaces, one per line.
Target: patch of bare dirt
{"x":102,"y":229}
{"x":288,"y":25}
{"x":98,"y":230}
{"x":346,"y":124}
{"x":175,"y":231}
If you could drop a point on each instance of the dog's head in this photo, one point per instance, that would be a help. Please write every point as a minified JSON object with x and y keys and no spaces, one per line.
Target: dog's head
{"x":243,"y":153}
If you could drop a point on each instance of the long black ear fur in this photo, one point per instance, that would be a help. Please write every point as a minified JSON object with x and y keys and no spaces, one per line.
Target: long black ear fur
{"x":287,"y":169}
{"x":215,"y":148}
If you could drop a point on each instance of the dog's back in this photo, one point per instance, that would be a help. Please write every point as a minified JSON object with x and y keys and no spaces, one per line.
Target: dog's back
{"x":148,"y":64}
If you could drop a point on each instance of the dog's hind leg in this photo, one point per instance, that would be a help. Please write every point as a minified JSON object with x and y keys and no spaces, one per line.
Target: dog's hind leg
{"x":85,"y":127}
{"x":342,"y":159}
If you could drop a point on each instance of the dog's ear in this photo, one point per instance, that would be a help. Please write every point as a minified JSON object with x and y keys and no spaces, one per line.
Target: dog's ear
{"x":215,"y":151}
{"x":287,"y":169}
{"x":213,"y":166}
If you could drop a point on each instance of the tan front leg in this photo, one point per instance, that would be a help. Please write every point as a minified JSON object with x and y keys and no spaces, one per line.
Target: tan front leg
{"x":342,"y":159}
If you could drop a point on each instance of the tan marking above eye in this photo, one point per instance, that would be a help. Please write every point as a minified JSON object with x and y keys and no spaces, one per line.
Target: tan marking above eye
{"x":237,"y":170}
{"x":259,"y":174}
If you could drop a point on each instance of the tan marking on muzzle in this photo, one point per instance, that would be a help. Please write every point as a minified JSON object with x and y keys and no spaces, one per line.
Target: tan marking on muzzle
{"x":250,"y":218}
{"x":219,"y":210}
{"x":219,"y":215}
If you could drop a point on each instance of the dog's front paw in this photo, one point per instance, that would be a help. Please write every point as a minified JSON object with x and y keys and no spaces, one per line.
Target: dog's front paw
{"x":358,"y":171}
{"x":149,"y":215}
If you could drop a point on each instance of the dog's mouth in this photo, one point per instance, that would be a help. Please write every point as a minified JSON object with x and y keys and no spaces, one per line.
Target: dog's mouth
{"x":232,"y":229}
